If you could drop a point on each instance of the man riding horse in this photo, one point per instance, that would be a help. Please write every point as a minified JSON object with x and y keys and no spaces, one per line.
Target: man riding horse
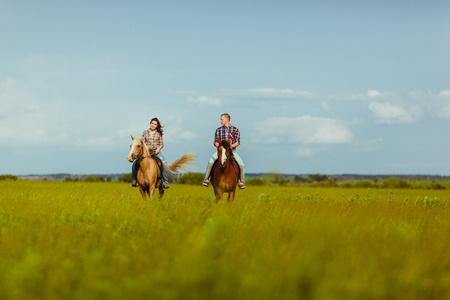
{"x":226,"y":132}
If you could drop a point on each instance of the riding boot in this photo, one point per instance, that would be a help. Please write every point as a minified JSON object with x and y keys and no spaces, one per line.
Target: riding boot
{"x":134,"y":170}
{"x":164,"y":171}
{"x":208,"y":169}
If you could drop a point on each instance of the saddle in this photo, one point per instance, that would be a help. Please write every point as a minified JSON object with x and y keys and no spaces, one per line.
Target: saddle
{"x":158,"y":163}
{"x":160,"y":166}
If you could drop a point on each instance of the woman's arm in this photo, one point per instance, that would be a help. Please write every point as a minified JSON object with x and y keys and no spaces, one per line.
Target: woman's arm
{"x":160,"y":144}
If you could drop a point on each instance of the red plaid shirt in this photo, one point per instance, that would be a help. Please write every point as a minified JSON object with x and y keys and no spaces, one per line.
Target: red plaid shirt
{"x":152,"y":141}
{"x":226,"y":133}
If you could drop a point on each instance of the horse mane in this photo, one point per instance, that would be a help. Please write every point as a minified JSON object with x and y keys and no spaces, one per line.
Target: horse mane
{"x":146,"y":152}
{"x":145,"y":149}
{"x":225,"y":144}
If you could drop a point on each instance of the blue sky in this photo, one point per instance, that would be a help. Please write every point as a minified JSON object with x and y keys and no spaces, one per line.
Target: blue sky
{"x":326,"y":87}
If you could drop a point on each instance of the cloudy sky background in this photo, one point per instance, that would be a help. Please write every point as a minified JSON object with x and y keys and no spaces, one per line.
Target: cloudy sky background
{"x":326,"y":87}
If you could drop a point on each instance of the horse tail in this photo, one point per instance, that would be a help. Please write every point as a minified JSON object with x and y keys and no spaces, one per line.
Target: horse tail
{"x":182,"y":164}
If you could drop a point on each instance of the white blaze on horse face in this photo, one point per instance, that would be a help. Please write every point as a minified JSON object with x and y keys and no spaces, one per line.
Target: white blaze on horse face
{"x":132,"y":147}
{"x":223,"y":158}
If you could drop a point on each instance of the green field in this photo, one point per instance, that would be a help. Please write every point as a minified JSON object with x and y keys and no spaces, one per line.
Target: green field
{"x":101,"y":241}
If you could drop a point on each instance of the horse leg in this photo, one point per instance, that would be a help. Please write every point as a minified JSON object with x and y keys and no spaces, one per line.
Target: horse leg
{"x":219,"y":197}
{"x":151,"y":192}
{"x":219,"y":194}
{"x":231,"y":196}
{"x":142,"y":193}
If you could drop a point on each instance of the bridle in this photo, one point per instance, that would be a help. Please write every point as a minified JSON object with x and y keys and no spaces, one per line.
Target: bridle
{"x":227,"y":157}
{"x":139,"y":155}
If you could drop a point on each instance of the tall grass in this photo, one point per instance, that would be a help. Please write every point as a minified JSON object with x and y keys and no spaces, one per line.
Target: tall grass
{"x":101,"y":241}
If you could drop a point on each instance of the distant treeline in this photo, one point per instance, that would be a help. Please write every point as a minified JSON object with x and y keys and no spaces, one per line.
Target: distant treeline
{"x":318,"y":180}
{"x":8,"y":177}
{"x":313,"y":180}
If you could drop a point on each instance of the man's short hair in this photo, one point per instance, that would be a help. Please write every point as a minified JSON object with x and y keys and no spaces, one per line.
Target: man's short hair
{"x":226,"y":115}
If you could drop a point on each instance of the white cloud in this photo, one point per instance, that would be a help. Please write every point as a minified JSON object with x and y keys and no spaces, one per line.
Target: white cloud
{"x":5,"y":134}
{"x":444,"y":104}
{"x":375,"y":141}
{"x":373,"y":93}
{"x":302,"y":130}
{"x":188,"y":135}
{"x":97,"y":143}
{"x":177,"y":132}
{"x":325,"y":105}
{"x":21,"y":116}
{"x":445,"y":93}
{"x":445,"y":111}
{"x":15,"y":101}
{"x":203,"y":100}
{"x":275,"y":93}
{"x":268,"y":93}
{"x":304,"y":152}
{"x":389,"y":113}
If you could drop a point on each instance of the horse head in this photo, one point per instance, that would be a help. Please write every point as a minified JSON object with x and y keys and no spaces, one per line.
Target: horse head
{"x":224,"y":152}
{"x":137,"y":149}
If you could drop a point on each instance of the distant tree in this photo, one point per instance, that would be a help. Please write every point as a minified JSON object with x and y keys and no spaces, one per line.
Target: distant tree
{"x":347,"y":185}
{"x":67,"y":179}
{"x":109,"y":179}
{"x":317,"y":177}
{"x":395,"y":183}
{"x":93,"y":178}
{"x":191,"y":178}
{"x":300,"y":179}
{"x":364,"y":184}
{"x":437,"y":186}
{"x":255,"y":182}
{"x":125,"y":178}
{"x":8,"y":177}
{"x":279,"y":180}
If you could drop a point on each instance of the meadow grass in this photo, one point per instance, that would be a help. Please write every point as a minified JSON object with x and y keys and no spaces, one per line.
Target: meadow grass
{"x":101,"y":241}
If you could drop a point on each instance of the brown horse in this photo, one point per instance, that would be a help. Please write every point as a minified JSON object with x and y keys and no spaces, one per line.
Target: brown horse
{"x":147,"y":175}
{"x":225,"y":172}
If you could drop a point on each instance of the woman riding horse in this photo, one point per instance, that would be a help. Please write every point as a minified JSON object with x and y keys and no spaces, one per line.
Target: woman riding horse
{"x":147,"y":173}
{"x":154,"y":142}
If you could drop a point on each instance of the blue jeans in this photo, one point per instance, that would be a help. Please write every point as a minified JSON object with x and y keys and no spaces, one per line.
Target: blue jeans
{"x":134,"y":169}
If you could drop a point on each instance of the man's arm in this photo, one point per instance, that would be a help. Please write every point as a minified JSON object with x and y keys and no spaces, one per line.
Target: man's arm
{"x":235,"y":145}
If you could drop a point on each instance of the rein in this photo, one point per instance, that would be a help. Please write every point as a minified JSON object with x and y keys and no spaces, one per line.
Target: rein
{"x":139,"y":156}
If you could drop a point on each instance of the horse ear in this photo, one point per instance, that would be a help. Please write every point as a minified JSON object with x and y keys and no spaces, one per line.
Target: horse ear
{"x":132,"y":138}
{"x":230,"y":142}
{"x":142,"y":140}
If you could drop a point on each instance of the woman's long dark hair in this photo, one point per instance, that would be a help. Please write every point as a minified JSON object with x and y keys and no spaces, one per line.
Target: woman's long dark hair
{"x":159,"y":126}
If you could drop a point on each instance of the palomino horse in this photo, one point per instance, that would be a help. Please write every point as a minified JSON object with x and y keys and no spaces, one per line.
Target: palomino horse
{"x":147,"y":175}
{"x":225,"y":172}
